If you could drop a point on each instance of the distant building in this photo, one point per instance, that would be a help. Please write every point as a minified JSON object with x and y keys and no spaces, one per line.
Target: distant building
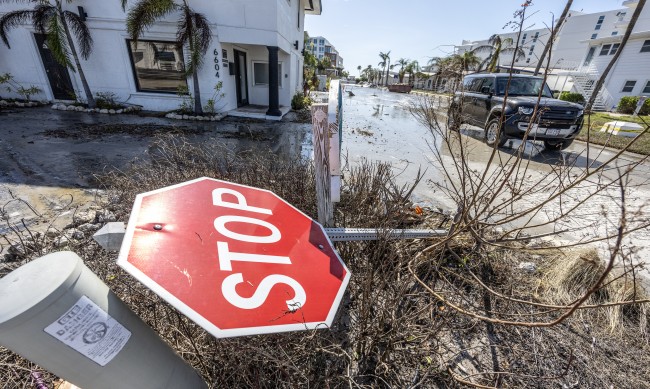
{"x":583,"y":48}
{"x":531,"y":43}
{"x":321,"y":47}
{"x":251,"y":40}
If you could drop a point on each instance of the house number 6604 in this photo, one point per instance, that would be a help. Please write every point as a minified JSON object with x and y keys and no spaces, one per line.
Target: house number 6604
{"x":217,"y":68}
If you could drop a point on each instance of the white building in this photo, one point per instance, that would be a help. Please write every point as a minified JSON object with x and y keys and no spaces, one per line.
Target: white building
{"x":247,"y":37}
{"x":587,"y":44}
{"x":321,"y":47}
{"x":583,"y":48}
{"x":532,"y":44}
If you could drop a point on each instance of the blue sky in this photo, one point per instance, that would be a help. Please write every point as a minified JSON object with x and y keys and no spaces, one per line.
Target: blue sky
{"x":421,"y":29}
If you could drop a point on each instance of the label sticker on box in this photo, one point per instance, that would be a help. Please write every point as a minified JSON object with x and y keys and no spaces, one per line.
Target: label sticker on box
{"x":89,"y":330}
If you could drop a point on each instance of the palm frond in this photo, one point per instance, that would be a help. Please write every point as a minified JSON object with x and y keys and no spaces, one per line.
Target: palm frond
{"x":81,"y":32}
{"x":42,"y":14}
{"x":57,"y":42}
{"x":194,"y":30}
{"x":494,"y":40}
{"x":520,"y":54}
{"x":484,"y":63}
{"x":11,"y":20}
{"x":145,"y":13}
{"x":123,"y":3}
{"x":507,"y":42}
{"x":483,"y":49}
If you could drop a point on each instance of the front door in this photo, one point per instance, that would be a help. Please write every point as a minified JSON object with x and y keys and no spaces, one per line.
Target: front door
{"x":57,"y":74}
{"x":241,"y":78}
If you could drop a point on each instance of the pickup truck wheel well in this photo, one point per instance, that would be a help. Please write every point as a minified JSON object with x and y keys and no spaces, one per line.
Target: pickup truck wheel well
{"x":493,"y":115}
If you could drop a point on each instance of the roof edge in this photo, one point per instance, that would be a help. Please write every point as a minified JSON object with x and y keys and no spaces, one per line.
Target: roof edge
{"x":313,"y":7}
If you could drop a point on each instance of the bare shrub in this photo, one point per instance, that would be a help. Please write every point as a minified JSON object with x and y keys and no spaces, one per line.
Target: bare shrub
{"x":509,"y":212}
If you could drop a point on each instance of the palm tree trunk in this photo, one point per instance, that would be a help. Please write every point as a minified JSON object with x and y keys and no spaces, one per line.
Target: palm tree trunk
{"x":554,"y":33}
{"x":603,"y":76}
{"x":89,"y":96}
{"x":387,"y":70}
{"x":198,"y":107}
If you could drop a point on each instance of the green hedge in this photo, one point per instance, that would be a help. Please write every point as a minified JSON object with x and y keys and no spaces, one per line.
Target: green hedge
{"x":628,"y":104}
{"x":300,"y":101}
{"x":572,"y":97}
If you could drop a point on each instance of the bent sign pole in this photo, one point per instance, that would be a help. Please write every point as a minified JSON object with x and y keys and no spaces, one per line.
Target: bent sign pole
{"x":234,"y":259}
{"x":111,"y":235}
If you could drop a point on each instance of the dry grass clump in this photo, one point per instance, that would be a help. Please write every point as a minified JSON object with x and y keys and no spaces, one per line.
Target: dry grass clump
{"x":571,"y":274}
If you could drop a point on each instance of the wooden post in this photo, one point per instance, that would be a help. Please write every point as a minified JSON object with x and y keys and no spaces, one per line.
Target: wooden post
{"x":320,"y":136}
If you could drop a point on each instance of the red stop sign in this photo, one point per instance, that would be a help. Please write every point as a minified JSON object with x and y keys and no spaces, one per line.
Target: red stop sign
{"x":235,"y":259}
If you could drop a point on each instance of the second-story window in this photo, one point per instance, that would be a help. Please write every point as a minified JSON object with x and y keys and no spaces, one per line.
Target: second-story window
{"x":523,"y":38}
{"x":594,"y":36}
{"x":646,"y":47}
{"x":605,"y":49}
{"x":535,"y":37}
{"x":609,"y":49}
{"x":600,"y":21}
{"x":646,"y":89}
{"x":614,"y":33}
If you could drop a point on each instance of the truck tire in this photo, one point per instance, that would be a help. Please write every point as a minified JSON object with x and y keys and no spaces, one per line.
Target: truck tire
{"x":494,"y":131}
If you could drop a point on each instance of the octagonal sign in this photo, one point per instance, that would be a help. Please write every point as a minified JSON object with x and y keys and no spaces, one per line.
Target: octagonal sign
{"x":236,"y":260}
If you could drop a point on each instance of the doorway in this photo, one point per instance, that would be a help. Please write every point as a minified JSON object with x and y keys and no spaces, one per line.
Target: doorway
{"x":241,"y":78}
{"x":57,"y":74}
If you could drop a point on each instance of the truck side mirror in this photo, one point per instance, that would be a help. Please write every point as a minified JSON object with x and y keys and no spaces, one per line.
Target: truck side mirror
{"x":486,"y":90}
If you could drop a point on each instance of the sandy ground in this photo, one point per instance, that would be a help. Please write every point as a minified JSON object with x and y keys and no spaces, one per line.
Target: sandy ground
{"x":378,"y":126}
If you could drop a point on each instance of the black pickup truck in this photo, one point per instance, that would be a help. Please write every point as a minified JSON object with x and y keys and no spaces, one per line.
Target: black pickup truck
{"x":480,"y":103}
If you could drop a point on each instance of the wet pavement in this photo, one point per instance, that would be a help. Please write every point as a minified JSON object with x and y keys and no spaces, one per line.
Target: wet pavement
{"x":49,"y":157}
{"x":379,"y":126}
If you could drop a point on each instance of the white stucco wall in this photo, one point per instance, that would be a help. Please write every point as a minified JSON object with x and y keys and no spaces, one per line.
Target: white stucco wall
{"x":247,"y":25}
{"x":571,"y":46}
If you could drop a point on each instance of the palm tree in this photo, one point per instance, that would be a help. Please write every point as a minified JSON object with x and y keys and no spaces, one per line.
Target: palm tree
{"x":193,"y":31}
{"x":412,"y":68}
{"x":468,"y":60}
{"x":367,"y":72}
{"x":58,"y":25}
{"x":402,"y":62}
{"x":359,"y":69}
{"x":626,"y":37}
{"x":496,"y":47}
{"x":383,"y":63}
{"x":386,"y":59}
